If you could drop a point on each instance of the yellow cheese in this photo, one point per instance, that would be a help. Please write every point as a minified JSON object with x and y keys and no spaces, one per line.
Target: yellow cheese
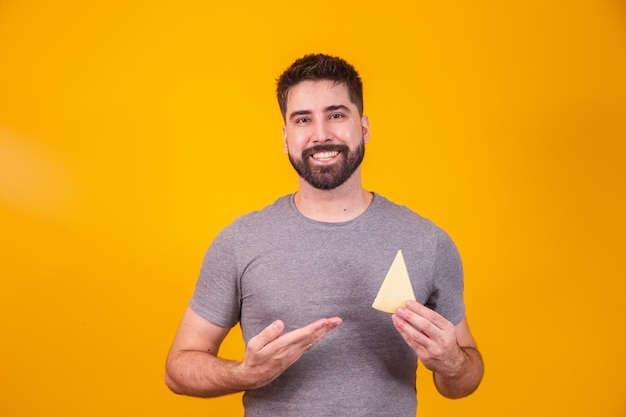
{"x":396,"y":289}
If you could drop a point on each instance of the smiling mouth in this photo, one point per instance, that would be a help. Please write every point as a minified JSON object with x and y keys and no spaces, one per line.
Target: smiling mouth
{"x":325,"y":156}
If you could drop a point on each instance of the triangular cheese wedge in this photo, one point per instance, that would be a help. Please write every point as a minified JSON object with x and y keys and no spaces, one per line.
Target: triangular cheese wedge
{"x":396,"y":289}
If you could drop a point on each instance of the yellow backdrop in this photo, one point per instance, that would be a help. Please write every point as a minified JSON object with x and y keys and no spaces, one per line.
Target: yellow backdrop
{"x":131,"y":132}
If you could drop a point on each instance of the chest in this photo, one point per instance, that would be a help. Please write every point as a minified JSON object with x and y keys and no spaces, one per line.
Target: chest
{"x":301,"y":280}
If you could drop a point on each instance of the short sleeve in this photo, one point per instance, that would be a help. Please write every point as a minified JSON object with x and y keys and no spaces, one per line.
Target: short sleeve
{"x":447,"y":283}
{"x":217,"y":293}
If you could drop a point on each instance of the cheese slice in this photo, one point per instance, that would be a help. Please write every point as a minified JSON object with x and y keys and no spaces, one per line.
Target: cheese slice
{"x":396,"y":289}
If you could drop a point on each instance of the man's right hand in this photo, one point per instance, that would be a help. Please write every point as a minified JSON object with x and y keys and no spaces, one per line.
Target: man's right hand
{"x":271,"y":352}
{"x":193,"y":367}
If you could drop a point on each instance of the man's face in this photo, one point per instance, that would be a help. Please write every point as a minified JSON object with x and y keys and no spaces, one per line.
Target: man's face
{"x":324,"y":134}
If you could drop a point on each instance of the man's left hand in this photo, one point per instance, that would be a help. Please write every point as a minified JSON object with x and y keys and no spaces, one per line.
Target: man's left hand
{"x":431,"y":336}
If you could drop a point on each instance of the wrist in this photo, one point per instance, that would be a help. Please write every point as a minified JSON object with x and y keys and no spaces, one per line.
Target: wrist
{"x":247,"y":379}
{"x":458,"y":365}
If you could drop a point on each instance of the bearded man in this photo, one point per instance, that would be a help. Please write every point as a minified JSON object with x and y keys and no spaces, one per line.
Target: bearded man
{"x":300,"y":275}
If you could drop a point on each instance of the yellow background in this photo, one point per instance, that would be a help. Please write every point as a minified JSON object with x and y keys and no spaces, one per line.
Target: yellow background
{"x":131,"y":132}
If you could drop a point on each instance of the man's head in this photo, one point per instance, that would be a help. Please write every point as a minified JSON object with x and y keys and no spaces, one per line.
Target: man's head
{"x":325,"y":132}
{"x":317,"y":67}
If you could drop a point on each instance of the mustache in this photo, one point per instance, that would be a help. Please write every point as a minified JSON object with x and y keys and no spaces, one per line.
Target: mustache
{"x":324,"y":148}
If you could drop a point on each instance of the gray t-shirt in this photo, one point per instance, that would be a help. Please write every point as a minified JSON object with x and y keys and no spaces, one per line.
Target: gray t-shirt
{"x":277,"y":264}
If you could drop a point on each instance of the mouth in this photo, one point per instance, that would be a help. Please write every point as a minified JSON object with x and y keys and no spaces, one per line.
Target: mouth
{"x":325,"y":155}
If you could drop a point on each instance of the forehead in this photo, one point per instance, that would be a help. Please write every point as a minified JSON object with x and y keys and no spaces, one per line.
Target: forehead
{"x":310,"y":95}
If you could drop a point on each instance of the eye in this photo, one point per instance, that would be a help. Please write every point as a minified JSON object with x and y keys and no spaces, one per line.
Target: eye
{"x":301,"y":120}
{"x":336,"y":116}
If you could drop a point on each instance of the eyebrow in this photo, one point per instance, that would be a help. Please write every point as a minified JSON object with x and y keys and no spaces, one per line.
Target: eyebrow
{"x":326,"y":110}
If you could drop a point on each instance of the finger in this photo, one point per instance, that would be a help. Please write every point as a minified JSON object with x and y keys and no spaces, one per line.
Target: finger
{"x":312,"y":333}
{"x":413,"y":336}
{"x":426,"y":332}
{"x":417,"y":322}
{"x":323,"y":325}
{"x":431,"y":315}
{"x":267,"y":335}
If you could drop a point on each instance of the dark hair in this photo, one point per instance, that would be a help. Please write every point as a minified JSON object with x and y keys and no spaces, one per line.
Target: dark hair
{"x":315,"y":67}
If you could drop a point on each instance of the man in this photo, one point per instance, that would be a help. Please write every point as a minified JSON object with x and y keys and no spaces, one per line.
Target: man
{"x":300,"y":277}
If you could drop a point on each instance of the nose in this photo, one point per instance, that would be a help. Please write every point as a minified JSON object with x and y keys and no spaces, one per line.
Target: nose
{"x":322,"y":132}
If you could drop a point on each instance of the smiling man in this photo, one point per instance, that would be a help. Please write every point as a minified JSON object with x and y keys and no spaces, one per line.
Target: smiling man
{"x":300,"y":276}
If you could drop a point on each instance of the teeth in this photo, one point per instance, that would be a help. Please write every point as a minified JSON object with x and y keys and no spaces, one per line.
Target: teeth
{"x":325,"y":156}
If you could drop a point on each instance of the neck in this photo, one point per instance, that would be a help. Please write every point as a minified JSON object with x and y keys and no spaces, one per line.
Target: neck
{"x":340,"y":204}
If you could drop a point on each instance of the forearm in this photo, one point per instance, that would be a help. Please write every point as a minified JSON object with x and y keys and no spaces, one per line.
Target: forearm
{"x":464,"y":380}
{"x":201,"y":374}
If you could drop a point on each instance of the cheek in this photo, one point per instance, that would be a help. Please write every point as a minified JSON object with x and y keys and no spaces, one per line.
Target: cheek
{"x":351,"y":134}
{"x":291,"y":146}
{"x":294,"y":140}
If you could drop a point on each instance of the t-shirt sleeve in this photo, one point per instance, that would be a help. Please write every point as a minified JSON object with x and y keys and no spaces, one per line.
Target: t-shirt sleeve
{"x":217,"y":293}
{"x":448,"y":280}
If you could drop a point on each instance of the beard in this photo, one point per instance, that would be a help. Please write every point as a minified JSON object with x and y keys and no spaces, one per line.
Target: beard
{"x":330,"y":176}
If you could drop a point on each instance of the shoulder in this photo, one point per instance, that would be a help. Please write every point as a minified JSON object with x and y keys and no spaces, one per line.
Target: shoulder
{"x":400,"y":219}
{"x":252,"y":229}
{"x":402,"y":215}
{"x":270,"y":217}
{"x":278,"y":208}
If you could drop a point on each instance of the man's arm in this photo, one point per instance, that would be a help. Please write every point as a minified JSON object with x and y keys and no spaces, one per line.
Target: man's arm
{"x":193,"y":367}
{"x":466,"y":379}
{"x":449,"y":351}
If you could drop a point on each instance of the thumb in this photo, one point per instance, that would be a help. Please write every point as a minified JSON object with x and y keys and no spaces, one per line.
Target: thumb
{"x":268,"y":334}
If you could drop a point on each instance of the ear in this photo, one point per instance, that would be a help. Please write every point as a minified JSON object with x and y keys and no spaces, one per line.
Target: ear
{"x":285,"y":139}
{"x":365,"y":128}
